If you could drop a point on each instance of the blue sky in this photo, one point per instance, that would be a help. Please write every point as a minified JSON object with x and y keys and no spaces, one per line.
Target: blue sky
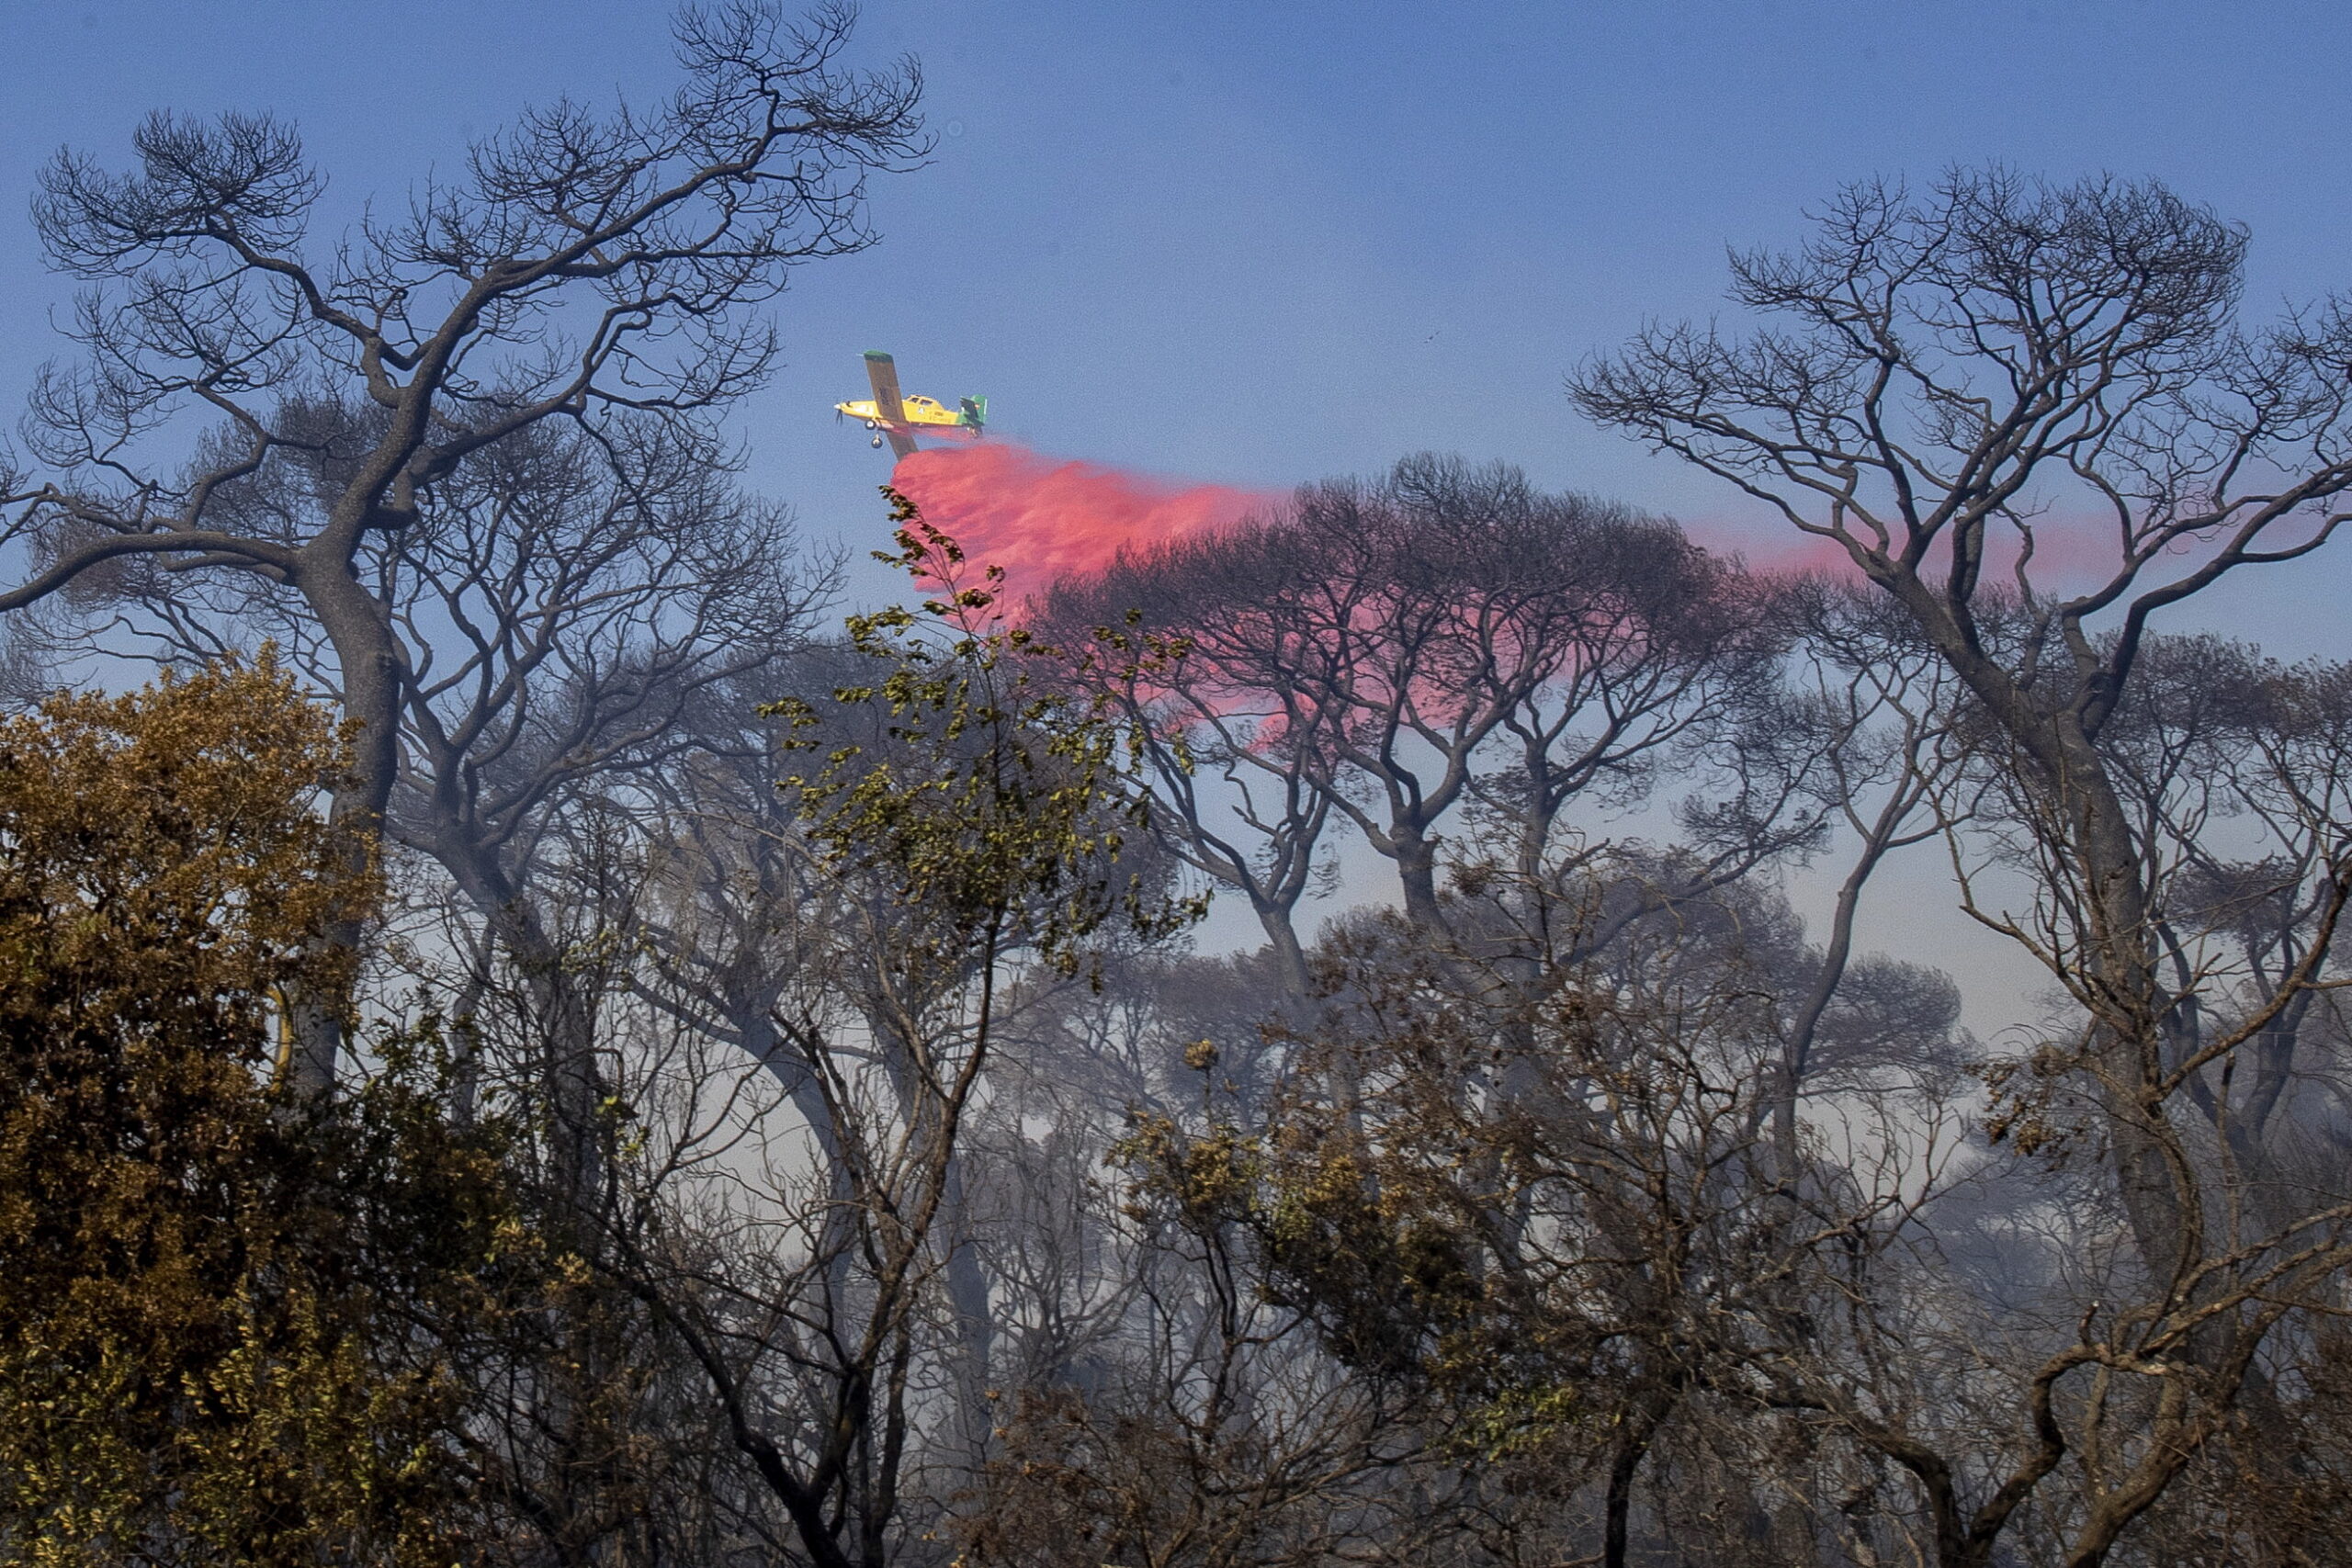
{"x":1260,"y":243}
{"x":1263,"y":243}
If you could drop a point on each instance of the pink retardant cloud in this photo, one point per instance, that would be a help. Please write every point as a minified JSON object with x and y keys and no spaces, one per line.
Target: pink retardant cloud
{"x":1041,"y":518}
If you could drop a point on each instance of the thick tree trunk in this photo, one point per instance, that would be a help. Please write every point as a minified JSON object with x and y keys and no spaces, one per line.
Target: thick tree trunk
{"x":1634,"y":1436}
{"x":370,"y":667}
{"x":1278,"y":922}
{"x":1416,"y":856}
{"x":2158,"y":1201}
{"x":2084,"y":824}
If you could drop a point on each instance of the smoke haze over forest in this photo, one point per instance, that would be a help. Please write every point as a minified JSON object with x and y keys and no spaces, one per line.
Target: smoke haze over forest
{"x":1222,"y":245}
{"x":1610,"y":827}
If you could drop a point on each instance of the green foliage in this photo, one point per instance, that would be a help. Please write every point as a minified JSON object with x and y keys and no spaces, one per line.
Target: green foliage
{"x":998,"y":807}
{"x":201,"y":1358}
{"x":1381,"y":1268}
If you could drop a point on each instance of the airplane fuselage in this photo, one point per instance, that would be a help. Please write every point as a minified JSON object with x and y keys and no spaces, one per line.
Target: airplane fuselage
{"x":896,"y":418}
{"x":923,"y":415}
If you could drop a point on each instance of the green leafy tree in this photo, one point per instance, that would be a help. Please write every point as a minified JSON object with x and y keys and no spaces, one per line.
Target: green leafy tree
{"x":199,"y":1361}
{"x":964,"y":831}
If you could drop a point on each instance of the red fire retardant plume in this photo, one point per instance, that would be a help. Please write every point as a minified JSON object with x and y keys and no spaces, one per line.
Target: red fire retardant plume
{"x":1041,"y":518}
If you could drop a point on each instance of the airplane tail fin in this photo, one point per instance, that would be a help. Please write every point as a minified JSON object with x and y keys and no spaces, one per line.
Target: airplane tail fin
{"x":974,"y":413}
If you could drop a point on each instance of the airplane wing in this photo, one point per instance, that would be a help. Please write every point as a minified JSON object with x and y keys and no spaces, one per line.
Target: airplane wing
{"x":883,"y":371}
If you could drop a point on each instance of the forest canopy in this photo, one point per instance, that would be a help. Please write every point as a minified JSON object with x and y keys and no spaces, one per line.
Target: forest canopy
{"x":532,"y":1039}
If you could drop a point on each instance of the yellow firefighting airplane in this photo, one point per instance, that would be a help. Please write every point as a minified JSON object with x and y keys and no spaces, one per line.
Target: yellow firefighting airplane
{"x":898,"y":419}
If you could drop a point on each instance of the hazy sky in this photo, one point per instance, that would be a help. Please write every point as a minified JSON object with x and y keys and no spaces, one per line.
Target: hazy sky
{"x":1259,"y":243}
{"x":1264,"y":242}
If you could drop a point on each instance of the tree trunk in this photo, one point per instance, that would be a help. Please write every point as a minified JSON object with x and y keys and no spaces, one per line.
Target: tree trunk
{"x":1416,"y":856}
{"x":370,"y":665}
{"x":1290,"y":955}
{"x":2086,"y":824}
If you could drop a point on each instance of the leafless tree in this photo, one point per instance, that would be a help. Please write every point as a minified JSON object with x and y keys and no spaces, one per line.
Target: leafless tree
{"x":1194,"y":646}
{"x":1360,"y":652}
{"x":2028,"y":414}
{"x":1569,"y":1259}
{"x":1201,"y":1423}
{"x":583,"y":267}
{"x":2232,"y":768}
{"x":566,"y":604}
{"x":1890,"y":763}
